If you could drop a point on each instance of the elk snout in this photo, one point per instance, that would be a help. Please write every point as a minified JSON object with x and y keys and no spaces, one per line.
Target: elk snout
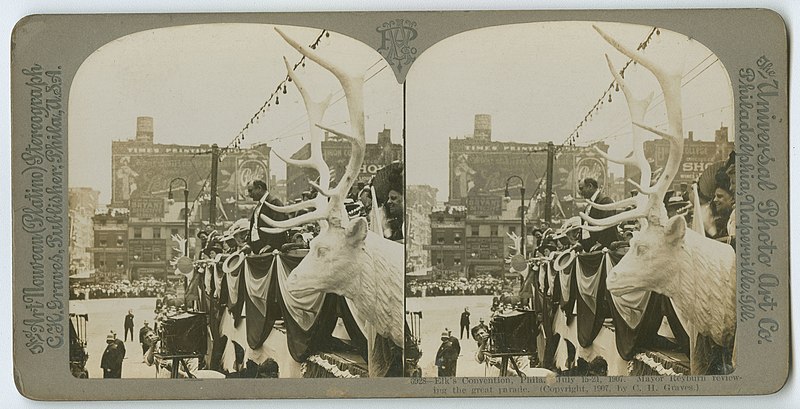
{"x":619,"y":283}
{"x":301,"y":284}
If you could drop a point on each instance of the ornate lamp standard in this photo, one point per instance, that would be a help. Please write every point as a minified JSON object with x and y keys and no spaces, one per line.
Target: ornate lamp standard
{"x":185,"y":211}
{"x":523,"y":233}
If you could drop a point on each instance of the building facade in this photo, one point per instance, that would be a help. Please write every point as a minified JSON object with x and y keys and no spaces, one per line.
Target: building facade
{"x":82,"y":207}
{"x":420,"y":201}
{"x":481,"y":166}
{"x":698,"y":155}
{"x":491,"y":221}
{"x":446,"y":247}
{"x":110,"y":251}
{"x":336,"y":152}
{"x":148,"y":186}
{"x":142,"y":168}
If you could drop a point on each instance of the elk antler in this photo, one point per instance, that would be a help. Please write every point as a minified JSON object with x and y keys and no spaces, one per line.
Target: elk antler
{"x":316,"y":110}
{"x":649,"y":202}
{"x":330,"y":209}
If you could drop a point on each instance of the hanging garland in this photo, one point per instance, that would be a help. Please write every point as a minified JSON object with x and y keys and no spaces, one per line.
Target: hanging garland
{"x":237,"y":141}
{"x":331,"y":368}
{"x":656,"y":366}
{"x":574,"y":135}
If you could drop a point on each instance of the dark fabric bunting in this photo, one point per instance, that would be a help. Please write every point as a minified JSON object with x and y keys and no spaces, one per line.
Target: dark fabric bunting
{"x":590,"y":275}
{"x":303,"y":343}
{"x":236,"y":292}
{"x":386,"y":358}
{"x":630,"y":340}
{"x":217,"y":349}
{"x":218,"y":279}
{"x":681,"y":337}
{"x":638,"y":316}
{"x":567,"y":287}
{"x":309,"y":320}
{"x":357,"y":337}
{"x":261,"y":304}
{"x":547,"y":312}
{"x":214,"y":315}
{"x":549,"y":360}
{"x":259,"y":286}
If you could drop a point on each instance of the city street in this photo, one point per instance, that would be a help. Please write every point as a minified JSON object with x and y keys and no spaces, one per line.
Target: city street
{"x":108,"y":314}
{"x":443,"y":312}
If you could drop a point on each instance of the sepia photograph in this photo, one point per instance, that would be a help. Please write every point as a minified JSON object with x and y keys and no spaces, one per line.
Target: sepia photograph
{"x":236,"y":196}
{"x":400,"y":204}
{"x":571,"y":194}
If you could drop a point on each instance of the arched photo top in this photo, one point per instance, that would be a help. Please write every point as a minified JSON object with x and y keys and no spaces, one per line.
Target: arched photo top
{"x":223,"y":83}
{"x":550,"y":81}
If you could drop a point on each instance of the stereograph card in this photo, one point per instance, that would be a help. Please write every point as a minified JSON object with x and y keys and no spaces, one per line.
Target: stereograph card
{"x":400,"y":204}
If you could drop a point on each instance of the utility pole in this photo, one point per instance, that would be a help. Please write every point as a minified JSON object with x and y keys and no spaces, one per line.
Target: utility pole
{"x":212,"y":211}
{"x":548,"y":194}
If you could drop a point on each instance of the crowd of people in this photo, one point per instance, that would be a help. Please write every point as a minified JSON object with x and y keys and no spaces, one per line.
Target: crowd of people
{"x":484,"y":285}
{"x":146,"y":287}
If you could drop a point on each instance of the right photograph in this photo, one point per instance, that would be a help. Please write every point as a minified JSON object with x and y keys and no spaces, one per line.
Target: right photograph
{"x":570,"y":204}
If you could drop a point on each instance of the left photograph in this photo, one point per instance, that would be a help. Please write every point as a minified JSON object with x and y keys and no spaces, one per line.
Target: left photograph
{"x":236,"y":206}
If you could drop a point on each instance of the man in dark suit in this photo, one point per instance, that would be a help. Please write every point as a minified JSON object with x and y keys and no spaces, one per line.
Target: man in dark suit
{"x":589,"y":189}
{"x":257,"y":240}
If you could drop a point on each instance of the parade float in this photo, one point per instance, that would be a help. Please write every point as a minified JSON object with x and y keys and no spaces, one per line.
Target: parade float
{"x":330,"y":308}
{"x":662,"y":304}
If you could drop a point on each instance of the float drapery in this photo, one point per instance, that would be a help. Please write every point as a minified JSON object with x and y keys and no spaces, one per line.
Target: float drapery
{"x":258,"y":287}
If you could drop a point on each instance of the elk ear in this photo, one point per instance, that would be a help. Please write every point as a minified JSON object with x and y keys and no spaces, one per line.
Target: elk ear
{"x":356,"y":232}
{"x":676,"y":229}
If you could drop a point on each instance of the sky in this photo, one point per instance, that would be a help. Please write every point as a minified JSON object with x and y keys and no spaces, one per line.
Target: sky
{"x":203,"y":84}
{"x":538,"y":81}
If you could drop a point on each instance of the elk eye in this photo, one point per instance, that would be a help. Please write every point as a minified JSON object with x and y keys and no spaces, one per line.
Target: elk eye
{"x":322,"y":251}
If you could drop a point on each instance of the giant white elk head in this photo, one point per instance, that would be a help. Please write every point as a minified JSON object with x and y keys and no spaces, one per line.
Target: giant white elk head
{"x":329,"y":264}
{"x":645,"y":266}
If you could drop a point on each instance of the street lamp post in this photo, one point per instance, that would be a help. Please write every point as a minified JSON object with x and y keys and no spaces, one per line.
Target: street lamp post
{"x":523,"y":233}
{"x":185,"y":211}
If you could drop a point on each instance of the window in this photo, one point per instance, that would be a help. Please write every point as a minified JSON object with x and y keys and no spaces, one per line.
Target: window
{"x":494,"y":231}
{"x":457,"y":219}
{"x":103,"y":243}
{"x":440,"y":240}
{"x":512,"y":229}
{"x":457,"y":261}
{"x":439,"y":261}
{"x":156,"y":232}
{"x":173,"y":232}
{"x":457,"y":238}
{"x":475,"y":230}
{"x":102,"y":263}
{"x":120,"y":265}
{"x":156,"y":257}
{"x":440,"y":219}
{"x":137,"y":232}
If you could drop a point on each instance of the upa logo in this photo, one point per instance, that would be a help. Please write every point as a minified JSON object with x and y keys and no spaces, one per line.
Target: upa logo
{"x":396,"y":42}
